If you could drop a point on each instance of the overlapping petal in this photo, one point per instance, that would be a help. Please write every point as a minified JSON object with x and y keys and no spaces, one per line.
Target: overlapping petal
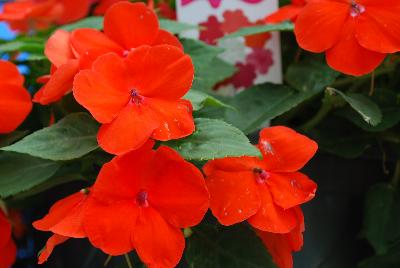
{"x":65,"y":217}
{"x":234,"y":195}
{"x":284,"y":149}
{"x":58,"y":49}
{"x":316,"y":28}
{"x":180,"y":194}
{"x":51,"y":243}
{"x":157,"y":243}
{"x":131,"y":25}
{"x":270,"y":217}
{"x":291,"y":189}
{"x":350,"y":57}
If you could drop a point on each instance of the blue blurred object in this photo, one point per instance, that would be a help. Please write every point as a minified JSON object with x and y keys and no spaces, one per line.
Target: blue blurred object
{"x":5,"y":31}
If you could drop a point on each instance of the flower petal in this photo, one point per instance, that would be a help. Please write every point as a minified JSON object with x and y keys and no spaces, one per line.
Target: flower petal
{"x":135,"y":122}
{"x":166,"y":38}
{"x":348,"y":57}
{"x":152,"y":232}
{"x":174,"y":117}
{"x":58,"y":48}
{"x":5,"y":229}
{"x":320,"y":23}
{"x":231,"y":164}
{"x":284,"y":149}
{"x":73,"y":10}
{"x":110,"y":227}
{"x":177,"y":189}
{"x":85,"y":39}
{"x":131,"y":25}
{"x":60,"y":83}
{"x":9,"y":74}
{"x":51,"y":243}
{"x":65,"y":217}
{"x":160,"y":72}
{"x":103,"y":90}
{"x":270,"y":217}
{"x":15,"y":105}
{"x":378,"y":28}
{"x":289,"y":12}
{"x":8,"y":254}
{"x":121,"y":178}
{"x":234,"y":196}
{"x":291,"y":189}
{"x":279,"y":248}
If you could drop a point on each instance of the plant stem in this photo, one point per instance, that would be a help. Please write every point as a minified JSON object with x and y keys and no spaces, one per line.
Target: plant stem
{"x":107,"y":260}
{"x":372,"y":87}
{"x":128,"y":261}
{"x":396,"y":175}
{"x":317,"y":118}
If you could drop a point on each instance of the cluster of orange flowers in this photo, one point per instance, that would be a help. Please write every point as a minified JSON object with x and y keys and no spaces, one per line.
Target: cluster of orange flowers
{"x":131,"y":77}
{"x":356,"y":35}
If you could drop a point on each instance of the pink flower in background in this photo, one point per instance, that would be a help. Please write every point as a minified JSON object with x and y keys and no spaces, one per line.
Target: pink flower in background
{"x":261,"y":59}
{"x":245,"y":75}
{"x":217,"y":3}
{"x":234,"y":20}
{"x":212,"y":30}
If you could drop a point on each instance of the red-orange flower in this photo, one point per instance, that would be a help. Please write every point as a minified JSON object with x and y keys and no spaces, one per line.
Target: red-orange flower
{"x":104,"y":5}
{"x":138,"y":97}
{"x":63,"y":70}
{"x":7,"y":246}
{"x":15,"y":101}
{"x":263,"y":191}
{"x":281,"y":246}
{"x":286,"y":13}
{"x":64,"y":220}
{"x":141,"y":200}
{"x":126,"y":26}
{"x":24,"y":15}
{"x":355,"y":34}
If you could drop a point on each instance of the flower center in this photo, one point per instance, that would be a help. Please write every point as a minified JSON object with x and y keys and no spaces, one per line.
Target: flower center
{"x":135,"y":97}
{"x":141,"y":199}
{"x":261,"y":175}
{"x":356,"y":9}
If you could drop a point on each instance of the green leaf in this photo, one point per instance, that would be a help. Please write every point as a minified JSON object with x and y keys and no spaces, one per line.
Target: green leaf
{"x":260,"y":103}
{"x":90,"y":22}
{"x":281,"y":27}
{"x":208,"y":76}
{"x":201,"y":53}
{"x":176,"y":27}
{"x":71,"y":137}
{"x":387,"y":100}
{"x":233,"y":247}
{"x":20,"y":172}
{"x":26,"y":46}
{"x":310,"y":76}
{"x":213,"y":139}
{"x":390,"y":260}
{"x":382,"y":217}
{"x":200,"y":99}
{"x":363,"y":105}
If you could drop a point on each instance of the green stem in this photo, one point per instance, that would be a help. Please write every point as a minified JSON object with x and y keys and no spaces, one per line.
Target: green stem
{"x":107,"y":260}
{"x":372,"y":87}
{"x":396,"y":175}
{"x":128,"y":261}
{"x":319,"y":116}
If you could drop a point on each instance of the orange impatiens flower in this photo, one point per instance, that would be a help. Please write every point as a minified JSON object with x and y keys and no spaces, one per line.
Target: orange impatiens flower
{"x":25,"y":15}
{"x":138,"y":97}
{"x":126,"y":26}
{"x":281,"y":246}
{"x":265,"y":192}
{"x":65,"y":220}
{"x":63,"y":70}
{"x":355,"y":34}
{"x":15,"y":100}
{"x":286,"y":13}
{"x":141,"y":200}
{"x":104,"y":5}
{"x":8,"y":250}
